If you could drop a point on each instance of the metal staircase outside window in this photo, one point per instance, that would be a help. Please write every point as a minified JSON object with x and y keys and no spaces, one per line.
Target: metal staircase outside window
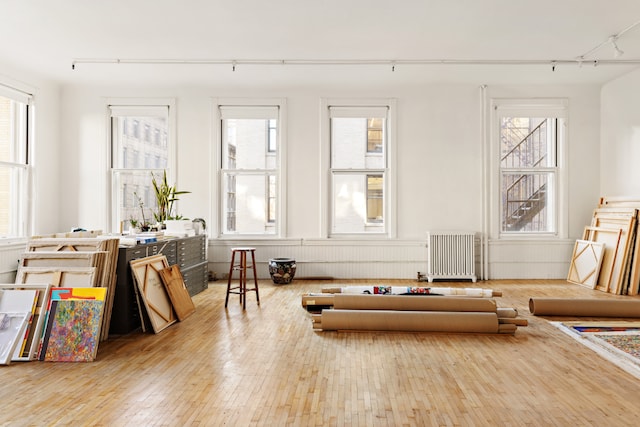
{"x":525,"y":144}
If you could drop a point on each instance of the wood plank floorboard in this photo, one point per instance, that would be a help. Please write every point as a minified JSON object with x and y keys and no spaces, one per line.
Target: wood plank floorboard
{"x":267,"y":367}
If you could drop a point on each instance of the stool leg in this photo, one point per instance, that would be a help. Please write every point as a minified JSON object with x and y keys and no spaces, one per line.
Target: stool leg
{"x":243,"y":279}
{"x":233,"y":257}
{"x":255,"y":275}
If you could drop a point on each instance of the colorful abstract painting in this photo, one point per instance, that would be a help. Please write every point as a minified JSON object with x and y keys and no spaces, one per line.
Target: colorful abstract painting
{"x":616,"y":341}
{"x":73,"y":331}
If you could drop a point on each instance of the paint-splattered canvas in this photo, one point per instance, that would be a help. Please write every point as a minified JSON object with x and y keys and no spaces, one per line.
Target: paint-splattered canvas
{"x":73,"y":331}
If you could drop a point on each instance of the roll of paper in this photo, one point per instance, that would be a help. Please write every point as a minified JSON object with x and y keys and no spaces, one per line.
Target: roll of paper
{"x":412,"y":321}
{"x":412,"y":303}
{"x":584,"y":307}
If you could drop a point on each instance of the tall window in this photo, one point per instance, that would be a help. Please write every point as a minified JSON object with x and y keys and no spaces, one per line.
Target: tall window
{"x":250,"y":169}
{"x":14,"y":163}
{"x":132,"y":152}
{"x":359,"y":140}
{"x":530,"y":145}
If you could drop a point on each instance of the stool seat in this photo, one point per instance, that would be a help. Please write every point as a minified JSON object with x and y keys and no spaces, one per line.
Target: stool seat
{"x":242,"y":267}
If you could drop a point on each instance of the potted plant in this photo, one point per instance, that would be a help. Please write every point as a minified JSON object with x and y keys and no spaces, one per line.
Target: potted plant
{"x":137,"y":225}
{"x":166,"y":195}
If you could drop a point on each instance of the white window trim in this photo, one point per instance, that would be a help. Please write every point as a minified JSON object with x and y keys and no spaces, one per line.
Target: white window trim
{"x":532,"y":107}
{"x":216,"y":165}
{"x":390,"y":189}
{"x":136,"y":105}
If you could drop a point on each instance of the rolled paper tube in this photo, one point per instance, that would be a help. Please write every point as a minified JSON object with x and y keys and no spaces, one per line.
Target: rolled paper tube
{"x":412,"y":303}
{"x":317,"y":300}
{"x":412,"y":321}
{"x":400,"y":290}
{"x":584,"y":307}
{"x":331,"y":290}
{"x":509,"y":321}
{"x":507,"y":312}
{"x":507,"y":328}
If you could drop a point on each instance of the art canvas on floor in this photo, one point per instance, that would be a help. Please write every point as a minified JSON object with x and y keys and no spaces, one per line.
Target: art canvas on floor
{"x":74,"y":324}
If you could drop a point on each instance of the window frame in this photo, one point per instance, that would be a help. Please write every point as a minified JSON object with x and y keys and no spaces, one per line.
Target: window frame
{"x":137,"y":106}
{"x":555,"y":108}
{"x":280,"y":171}
{"x":388,"y":229}
{"x":21,"y":222}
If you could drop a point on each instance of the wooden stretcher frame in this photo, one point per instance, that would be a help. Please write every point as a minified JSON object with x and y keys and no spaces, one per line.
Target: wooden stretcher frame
{"x":81,"y":277}
{"x":610,"y":238}
{"x":156,"y":301}
{"x":585,"y":263}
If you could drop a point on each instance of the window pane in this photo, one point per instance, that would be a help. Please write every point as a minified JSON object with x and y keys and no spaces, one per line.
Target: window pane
{"x":13,"y":174}
{"x":246,"y":205}
{"x":136,"y":199}
{"x":350,"y":143}
{"x":133,"y":146}
{"x":12,"y":211}
{"x":357,"y":202}
{"x":375,"y":198}
{"x":374,"y":135}
{"x":245,"y":143}
{"x":527,"y":142}
{"x":526,"y":202}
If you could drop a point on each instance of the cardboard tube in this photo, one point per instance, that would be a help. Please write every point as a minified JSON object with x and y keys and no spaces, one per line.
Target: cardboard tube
{"x":507,"y":328}
{"x":507,"y":312}
{"x":584,"y":307}
{"x":413,"y":321}
{"x":517,"y":322}
{"x":412,"y":303}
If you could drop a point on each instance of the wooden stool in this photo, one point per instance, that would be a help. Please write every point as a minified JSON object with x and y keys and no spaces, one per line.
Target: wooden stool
{"x":242,"y":267}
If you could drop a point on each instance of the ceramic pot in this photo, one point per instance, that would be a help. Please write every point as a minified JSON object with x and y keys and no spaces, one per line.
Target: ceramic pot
{"x":282,"y":270}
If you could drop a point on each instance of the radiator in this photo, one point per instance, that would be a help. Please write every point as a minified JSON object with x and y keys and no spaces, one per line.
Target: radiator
{"x":451,"y":255}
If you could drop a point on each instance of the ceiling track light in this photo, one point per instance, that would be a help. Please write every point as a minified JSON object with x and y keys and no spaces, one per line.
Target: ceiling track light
{"x":617,"y":53}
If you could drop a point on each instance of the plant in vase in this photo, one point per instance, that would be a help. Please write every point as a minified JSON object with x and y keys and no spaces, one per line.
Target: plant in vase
{"x":140,"y":225}
{"x":166,"y":195}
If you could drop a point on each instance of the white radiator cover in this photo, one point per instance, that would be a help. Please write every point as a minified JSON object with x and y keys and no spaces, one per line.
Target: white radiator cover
{"x":451,"y":255}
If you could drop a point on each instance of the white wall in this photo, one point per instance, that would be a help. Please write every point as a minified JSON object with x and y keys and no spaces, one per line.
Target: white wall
{"x":439,"y":181}
{"x":620,"y":136}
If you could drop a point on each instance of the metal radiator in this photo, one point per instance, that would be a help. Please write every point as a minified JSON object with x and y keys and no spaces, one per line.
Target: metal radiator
{"x":451,"y":255}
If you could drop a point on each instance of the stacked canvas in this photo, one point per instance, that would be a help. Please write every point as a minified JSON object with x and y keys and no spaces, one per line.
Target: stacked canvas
{"x":73,"y":262}
{"x":33,"y":299}
{"x":607,"y":258}
{"x":16,"y":313}
{"x":41,"y":322}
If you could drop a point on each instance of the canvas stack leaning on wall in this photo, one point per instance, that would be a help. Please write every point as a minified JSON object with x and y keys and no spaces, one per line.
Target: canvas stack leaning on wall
{"x":607,"y":258}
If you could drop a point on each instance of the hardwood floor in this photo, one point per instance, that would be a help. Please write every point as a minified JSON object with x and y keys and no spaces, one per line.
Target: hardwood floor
{"x":266,"y":366}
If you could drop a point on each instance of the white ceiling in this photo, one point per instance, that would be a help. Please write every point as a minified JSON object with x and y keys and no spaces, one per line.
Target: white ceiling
{"x":45,"y":37}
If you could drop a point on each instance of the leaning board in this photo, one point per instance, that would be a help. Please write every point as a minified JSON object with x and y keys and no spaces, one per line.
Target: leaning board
{"x":152,"y":291}
{"x":178,"y":293}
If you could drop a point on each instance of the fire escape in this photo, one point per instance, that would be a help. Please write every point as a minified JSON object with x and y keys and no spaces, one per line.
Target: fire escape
{"x":524,"y":197}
